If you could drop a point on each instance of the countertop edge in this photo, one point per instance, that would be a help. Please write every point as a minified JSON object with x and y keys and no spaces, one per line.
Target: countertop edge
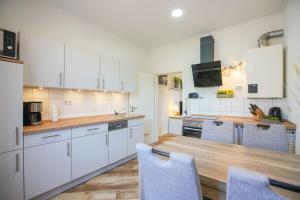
{"x":78,"y":125}
{"x":290,"y":125}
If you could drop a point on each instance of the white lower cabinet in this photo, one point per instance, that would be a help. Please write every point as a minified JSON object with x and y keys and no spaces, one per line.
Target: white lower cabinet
{"x":11,"y":175}
{"x":46,"y":167}
{"x":175,"y":126}
{"x":117,"y":145}
{"x":135,"y":135}
{"x":89,"y":154}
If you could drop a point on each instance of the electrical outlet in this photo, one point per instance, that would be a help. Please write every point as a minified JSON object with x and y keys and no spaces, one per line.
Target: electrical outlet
{"x":67,"y":102}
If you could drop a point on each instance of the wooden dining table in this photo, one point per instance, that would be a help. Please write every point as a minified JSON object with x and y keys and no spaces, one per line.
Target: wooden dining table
{"x":213,"y":160}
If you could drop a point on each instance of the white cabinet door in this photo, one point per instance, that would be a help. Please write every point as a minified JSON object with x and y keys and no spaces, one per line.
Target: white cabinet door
{"x":81,"y":69}
{"x":11,"y":106}
{"x":109,"y":73}
{"x":43,"y":61}
{"x":46,"y":167}
{"x":135,"y":135}
{"x":11,"y":175}
{"x":128,"y":76}
{"x":89,"y":153}
{"x":175,"y":126}
{"x":117,"y":145}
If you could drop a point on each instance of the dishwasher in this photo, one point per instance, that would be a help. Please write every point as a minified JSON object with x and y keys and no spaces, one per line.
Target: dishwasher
{"x":117,"y":139}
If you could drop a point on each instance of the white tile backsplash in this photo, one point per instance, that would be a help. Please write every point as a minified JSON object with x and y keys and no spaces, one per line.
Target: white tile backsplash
{"x":77,"y":103}
{"x":237,"y":106}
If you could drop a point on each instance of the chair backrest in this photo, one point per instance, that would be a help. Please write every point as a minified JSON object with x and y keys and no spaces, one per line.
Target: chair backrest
{"x":173,"y":179}
{"x":221,"y":132}
{"x":273,"y":138}
{"x":248,"y":185}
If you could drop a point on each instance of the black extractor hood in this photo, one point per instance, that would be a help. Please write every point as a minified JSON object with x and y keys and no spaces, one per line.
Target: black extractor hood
{"x":208,"y":73}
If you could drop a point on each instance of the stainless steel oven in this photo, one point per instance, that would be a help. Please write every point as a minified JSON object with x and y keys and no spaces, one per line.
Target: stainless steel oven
{"x":192,"y":128}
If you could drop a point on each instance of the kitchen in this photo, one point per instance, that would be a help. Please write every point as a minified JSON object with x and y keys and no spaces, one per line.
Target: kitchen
{"x":89,"y":96}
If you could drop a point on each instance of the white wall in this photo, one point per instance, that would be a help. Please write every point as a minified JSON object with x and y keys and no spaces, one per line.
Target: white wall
{"x":292,"y":42}
{"x":231,"y":44}
{"x":42,"y":18}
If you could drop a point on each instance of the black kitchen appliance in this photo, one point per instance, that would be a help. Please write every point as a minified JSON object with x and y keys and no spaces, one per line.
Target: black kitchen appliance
{"x":8,"y":44}
{"x":207,"y":74}
{"x":275,"y":112}
{"x":32,"y":115}
{"x":192,"y":128}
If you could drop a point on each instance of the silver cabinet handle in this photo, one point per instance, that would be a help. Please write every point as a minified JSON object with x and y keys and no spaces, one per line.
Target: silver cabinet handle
{"x":106,"y":139}
{"x":92,"y":129}
{"x":68,"y":149}
{"x":122,"y":85}
{"x":17,"y":136}
{"x":50,"y":136}
{"x":130,"y":133}
{"x":98,"y":83}
{"x":103,"y":83}
{"x":17,"y":162}
{"x":60,"y":79}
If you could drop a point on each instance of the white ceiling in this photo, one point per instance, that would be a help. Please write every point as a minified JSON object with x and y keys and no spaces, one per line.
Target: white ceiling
{"x":149,"y":23}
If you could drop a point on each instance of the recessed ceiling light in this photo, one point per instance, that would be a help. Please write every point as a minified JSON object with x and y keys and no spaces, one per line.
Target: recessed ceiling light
{"x":177,"y":13}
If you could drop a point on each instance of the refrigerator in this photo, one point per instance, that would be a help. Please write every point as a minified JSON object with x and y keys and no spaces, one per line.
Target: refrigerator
{"x":11,"y":131}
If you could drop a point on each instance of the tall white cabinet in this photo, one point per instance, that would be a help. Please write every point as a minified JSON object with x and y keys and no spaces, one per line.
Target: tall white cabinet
{"x":11,"y":131}
{"x":11,"y":175}
{"x":43,"y":61}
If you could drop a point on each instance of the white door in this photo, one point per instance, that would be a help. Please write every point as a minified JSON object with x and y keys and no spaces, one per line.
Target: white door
{"x":11,"y":175}
{"x":117,"y":145}
{"x":143,"y":102}
{"x":46,"y":167}
{"x":89,"y":154}
{"x":11,"y":106}
{"x":81,"y":69}
{"x":135,"y":135}
{"x":109,"y":73}
{"x":43,"y":61}
{"x":128,"y":76}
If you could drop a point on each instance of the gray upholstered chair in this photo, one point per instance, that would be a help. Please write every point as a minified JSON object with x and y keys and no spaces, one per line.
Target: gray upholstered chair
{"x":248,"y":185}
{"x":273,"y":138}
{"x":173,"y":179}
{"x":221,"y":132}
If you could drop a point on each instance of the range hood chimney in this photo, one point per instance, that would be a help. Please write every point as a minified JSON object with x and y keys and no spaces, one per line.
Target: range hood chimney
{"x":207,"y":49}
{"x":264,"y":38}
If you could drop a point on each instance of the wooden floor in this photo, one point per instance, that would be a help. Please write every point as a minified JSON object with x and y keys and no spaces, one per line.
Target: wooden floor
{"x":119,"y":183}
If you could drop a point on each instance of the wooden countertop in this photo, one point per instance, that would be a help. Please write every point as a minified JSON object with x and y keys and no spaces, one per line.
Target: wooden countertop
{"x":239,"y":120}
{"x":47,"y":126}
{"x":10,"y":60}
{"x":213,"y":159}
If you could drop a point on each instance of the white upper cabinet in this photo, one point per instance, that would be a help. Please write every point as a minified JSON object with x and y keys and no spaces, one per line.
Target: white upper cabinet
{"x":11,"y":106}
{"x":109,"y":73}
{"x":81,"y":69}
{"x":128,"y":76}
{"x":265,"y":72}
{"x":43,"y":61}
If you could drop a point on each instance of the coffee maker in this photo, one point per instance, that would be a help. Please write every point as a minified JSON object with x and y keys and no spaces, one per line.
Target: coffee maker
{"x":32,"y":115}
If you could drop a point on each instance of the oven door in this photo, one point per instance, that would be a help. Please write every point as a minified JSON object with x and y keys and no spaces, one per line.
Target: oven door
{"x":192,"y":131}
